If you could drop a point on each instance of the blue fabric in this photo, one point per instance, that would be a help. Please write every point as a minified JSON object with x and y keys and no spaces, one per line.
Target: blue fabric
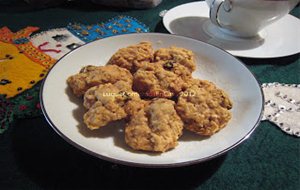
{"x":115,"y":26}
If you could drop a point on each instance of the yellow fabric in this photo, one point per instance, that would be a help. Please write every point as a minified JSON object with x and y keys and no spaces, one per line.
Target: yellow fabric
{"x":21,"y":71}
{"x":21,"y":64}
{"x":36,"y":55}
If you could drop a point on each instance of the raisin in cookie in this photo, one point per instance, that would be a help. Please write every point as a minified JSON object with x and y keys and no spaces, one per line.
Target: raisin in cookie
{"x":204,"y":108}
{"x":155,"y":127}
{"x":162,"y":79}
{"x":175,"y":54}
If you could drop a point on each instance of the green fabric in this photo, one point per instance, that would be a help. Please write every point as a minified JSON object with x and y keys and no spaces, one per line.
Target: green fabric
{"x":27,"y":104}
{"x":6,"y":113}
{"x":24,"y":105}
{"x":33,"y":156}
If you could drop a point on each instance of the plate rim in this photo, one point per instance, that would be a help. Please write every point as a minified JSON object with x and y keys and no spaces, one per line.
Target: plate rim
{"x":147,"y":165}
{"x":167,"y":27}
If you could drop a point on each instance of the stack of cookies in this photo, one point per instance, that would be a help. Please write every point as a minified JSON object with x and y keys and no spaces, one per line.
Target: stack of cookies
{"x":155,"y":93}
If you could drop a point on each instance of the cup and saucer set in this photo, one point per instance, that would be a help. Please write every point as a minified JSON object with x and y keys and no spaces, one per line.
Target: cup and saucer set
{"x":252,"y":29}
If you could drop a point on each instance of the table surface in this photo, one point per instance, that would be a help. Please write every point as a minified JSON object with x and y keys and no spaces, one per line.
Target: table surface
{"x":33,"y":156}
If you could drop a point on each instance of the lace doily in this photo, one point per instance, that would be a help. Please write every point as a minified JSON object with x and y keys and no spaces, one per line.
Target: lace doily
{"x":282,"y":106}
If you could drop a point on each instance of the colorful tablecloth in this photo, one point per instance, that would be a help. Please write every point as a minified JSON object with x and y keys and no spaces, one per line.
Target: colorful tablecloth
{"x":25,"y":60}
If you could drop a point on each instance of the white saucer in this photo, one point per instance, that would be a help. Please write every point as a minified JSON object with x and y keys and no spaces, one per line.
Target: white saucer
{"x":277,"y":40}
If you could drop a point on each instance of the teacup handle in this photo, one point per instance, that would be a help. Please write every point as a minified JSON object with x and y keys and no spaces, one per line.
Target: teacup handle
{"x":214,"y":10}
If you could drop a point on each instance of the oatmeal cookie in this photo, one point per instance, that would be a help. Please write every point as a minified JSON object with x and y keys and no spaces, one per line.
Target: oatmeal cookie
{"x":88,"y":68}
{"x":175,"y":54}
{"x":134,"y":106}
{"x":155,"y":127}
{"x":106,"y":103}
{"x":92,"y":76}
{"x":204,"y":108}
{"x":133,"y":57}
{"x":161,"y":79}
{"x":220,"y":96}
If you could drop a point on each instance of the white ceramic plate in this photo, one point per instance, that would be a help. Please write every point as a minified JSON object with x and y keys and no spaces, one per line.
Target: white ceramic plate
{"x":277,"y":40}
{"x":63,"y":111}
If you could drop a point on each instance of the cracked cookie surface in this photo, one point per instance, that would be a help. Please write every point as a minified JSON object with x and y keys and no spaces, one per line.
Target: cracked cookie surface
{"x":182,"y":56}
{"x":106,"y":103}
{"x":90,"y":76}
{"x":133,"y":57}
{"x":162,"y":79}
{"x":154,"y":127}
{"x":204,"y":108}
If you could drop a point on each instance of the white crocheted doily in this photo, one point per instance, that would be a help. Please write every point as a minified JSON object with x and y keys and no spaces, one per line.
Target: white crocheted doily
{"x":282,"y":106}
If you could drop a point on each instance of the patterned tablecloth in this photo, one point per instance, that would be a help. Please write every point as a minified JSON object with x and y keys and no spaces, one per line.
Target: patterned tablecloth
{"x":25,"y":60}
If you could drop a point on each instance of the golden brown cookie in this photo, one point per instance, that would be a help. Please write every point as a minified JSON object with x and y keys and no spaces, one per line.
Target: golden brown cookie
{"x":155,"y":127}
{"x":92,"y":76}
{"x":221,"y":96}
{"x":133,"y":106}
{"x":106,"y":103}
{"x":175,"y":54}
{"x":204,"y":108}
{"x":161,"y":79}
{"x":133,"y":57}
{"x":88,"y":68}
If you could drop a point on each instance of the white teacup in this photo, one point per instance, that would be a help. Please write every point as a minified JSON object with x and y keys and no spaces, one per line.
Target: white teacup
{"x":245,"y":18}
